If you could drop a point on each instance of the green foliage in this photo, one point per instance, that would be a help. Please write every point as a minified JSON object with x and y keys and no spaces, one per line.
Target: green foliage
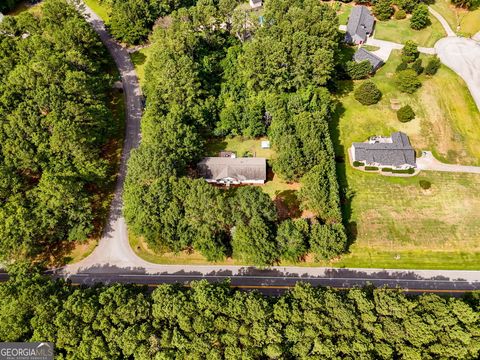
{"x":407,"y":5}
{"x":425,"y":185}
{"x":403,"y":171}
{"x":408,"y":81}
{"x":432,"y":66}
{"x":357,"y":71}
{"x":55,"y":123}
{"x":131,"y":20}
{"x":402,"y":66}
{"x":327,"y":241}
{"x":467,"y":4}
{"x":371,"y":168}
{"x":417,"y":66}
{"x":126,"y":321}
{"x":400,"y":14}
{"x":420,"y":17}
{"x":367,"y":93}
{"x":383,"y":9}
{"x":292,"y":239}
{"x":410,"y":51}
{"x":358,"y":163}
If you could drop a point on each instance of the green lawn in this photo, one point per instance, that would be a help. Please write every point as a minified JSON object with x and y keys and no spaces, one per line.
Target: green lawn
{"x":344,"y":13}
{"x":25,"y":6}
{"x":399,"y":31}
{"x":241,"y":146}
{"x":447,"y":121}
{"x":139,"y":59}
{"x":100,"y":9}
{"x":466,"y":23}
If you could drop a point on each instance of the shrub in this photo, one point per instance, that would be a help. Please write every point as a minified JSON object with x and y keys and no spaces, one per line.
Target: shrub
{"x":432,"y":66}
{"x":405,"y":114}
{"x":404,"y":171}
{"x":417,"y":66}
{"x":402,"y":66}
{"x":425,"y":185}
{"x":371,"y":168}
{"x":357,"y":71}
{"x":407,"y":5}
{"x":367,"y":93}
{"x":383,"y":9}
{"x":400,"y":14}
{"x":357,"y":163}
{"x":420,"y":18}
{"x":407,"y":81}
{"x":410,"y":51}
{"x":387,"y":169}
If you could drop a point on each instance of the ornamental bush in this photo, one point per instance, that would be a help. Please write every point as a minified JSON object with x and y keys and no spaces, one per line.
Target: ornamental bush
{"x":425,"y":185}
{"x":420,"y":17}
{"x":357,"y":71}
{"x":417,"y":66}
{"x":407,"y":81}
{"x":405,"y":114}
{"x":410,"y":51}
{"x":400,"y":14}
{"x":402,"y":66}
{"x":368,"y":93}
{"x":383,"y":9}
{"x":432,"y":66}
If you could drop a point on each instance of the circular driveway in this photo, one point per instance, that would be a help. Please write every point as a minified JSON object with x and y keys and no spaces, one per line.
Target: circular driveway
{"x":462,"y":56}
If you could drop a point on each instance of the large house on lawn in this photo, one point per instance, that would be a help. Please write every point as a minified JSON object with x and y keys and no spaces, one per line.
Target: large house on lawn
{"x":231,"y":170}
{"x":360,"y":25}
{"x":393,"y":152}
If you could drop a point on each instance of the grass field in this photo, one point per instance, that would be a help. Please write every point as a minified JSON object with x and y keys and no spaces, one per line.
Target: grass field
{"x":241,"y":146}
{"x":99,"y":9}
{"x":344,"y":13}
{"x":466,"y":23}
{"x":139,"y":59}
{"x":399,"y":31}
{"x":447,"y":121}
{"x":25,"y":6}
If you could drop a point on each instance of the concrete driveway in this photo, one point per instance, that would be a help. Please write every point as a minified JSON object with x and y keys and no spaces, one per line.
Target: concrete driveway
{"x":428,"y":162}
{"x":462,"y":55}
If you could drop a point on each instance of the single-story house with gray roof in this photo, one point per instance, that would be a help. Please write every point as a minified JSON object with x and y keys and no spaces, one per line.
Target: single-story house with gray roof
{"x":362,"y":54}
{"x":385,"y":152}
{"x":360,"y":25}
{"x":231,"y":170}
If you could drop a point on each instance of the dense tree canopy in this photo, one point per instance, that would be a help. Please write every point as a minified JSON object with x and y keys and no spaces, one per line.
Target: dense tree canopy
{"x":204,"y":80}
{"x":53,"y":124}
{"x":209,"y":321}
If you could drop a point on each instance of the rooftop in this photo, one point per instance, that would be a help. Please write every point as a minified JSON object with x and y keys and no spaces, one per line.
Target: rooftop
{"x":360,"y":24}
{"x":398,"y":152}
{"x":362,"y":54}
{"x":240,"y":169}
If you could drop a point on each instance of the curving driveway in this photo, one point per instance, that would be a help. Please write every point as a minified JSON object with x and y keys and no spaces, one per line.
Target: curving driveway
{"x":428,"y":162}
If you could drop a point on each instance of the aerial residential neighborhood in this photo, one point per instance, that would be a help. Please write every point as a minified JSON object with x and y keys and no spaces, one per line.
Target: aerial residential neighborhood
{"x":278,"y":179}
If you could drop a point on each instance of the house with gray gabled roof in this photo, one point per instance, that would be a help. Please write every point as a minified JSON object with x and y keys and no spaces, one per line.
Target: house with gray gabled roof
{"x":360,"y":25}
{"x":361,"y":55}
{"x":385,"y":152}
{"x":232,"y":170}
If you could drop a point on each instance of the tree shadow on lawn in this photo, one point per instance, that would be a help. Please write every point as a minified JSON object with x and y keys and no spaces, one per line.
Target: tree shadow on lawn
{"x":287,"y":204}
{"x":342,"y":161}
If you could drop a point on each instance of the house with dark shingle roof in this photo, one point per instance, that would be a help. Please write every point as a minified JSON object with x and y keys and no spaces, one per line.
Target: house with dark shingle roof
{"x":361,"y":55}
{"x":231,"y":170}
{"x":360,"y":25}
{"x":385,"y":152}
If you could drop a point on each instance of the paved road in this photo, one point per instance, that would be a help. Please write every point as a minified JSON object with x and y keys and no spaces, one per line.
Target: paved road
{"x":442,"y":21}
{"x":428,"y":162}
{"x":113,"y":247}
{"x":462,"y":56}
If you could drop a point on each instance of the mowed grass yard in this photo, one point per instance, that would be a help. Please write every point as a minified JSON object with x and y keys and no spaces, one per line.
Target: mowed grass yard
{"x":447,"y":121}
{"x":468,"y":21}
{"x":395,"y":223}
{"x":400,"y":31}
{"x":100,"y":9}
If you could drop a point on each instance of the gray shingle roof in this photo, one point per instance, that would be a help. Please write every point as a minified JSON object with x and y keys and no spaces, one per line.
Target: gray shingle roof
{"x":362,"y":55}
{"x":397,"y":153}
{"x":360,"y":24}
{"x":241,"y":169}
